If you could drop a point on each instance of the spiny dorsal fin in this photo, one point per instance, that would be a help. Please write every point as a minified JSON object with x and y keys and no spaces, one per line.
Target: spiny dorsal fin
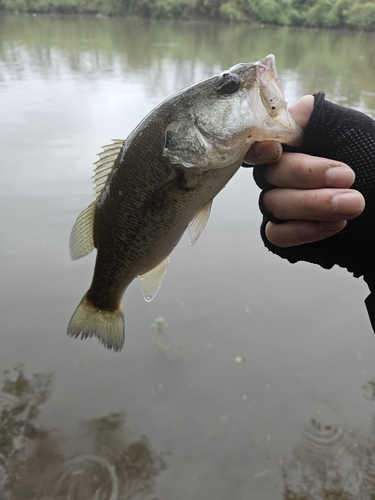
{"x":104,"y":165}
{"x":199,"y":222}
{"x":81,"y":240}
{"x":151,"y":281}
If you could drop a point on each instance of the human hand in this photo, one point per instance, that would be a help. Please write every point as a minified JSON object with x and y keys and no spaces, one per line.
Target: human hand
{"x":309,"y":212}
{"x":311,"y":194}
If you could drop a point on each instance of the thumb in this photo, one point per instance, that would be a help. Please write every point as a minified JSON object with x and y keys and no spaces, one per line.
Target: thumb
{"x":264,"y":152}
{"x":301,"y":110}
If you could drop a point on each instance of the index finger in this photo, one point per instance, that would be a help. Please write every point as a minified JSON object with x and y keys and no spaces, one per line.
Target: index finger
{"x":301,"y":171}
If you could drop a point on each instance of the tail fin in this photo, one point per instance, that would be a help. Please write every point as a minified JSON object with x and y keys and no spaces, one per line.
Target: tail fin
{"x":88,"y":321}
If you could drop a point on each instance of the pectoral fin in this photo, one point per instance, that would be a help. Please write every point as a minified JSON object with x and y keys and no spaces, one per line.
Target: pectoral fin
{"x":151,"y":281}
{"x":199,"y":222}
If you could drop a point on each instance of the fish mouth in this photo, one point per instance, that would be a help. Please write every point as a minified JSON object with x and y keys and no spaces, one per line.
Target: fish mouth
{"x":271,"y":92}
{"x":267,"y":100}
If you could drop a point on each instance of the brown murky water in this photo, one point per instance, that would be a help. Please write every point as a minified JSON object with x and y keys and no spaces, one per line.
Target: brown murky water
{"x":246,"y":377}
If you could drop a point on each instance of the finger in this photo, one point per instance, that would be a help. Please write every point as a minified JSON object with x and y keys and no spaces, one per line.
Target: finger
{"x":269,"y":151}
{"x":302,"y":109}
{"x":314,"y":204}
{"x":300,"y":171}
{"x":263,"y":152}
{"x":294,"y":233}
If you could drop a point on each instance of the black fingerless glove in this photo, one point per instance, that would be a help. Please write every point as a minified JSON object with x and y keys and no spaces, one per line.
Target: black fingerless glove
{"x":345,"y":135}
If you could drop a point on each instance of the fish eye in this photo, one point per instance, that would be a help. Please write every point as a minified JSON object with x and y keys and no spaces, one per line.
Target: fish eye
{"x":228,"y":85}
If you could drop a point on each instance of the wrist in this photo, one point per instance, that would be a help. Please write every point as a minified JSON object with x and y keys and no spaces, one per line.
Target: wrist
{"x":369,"y":278}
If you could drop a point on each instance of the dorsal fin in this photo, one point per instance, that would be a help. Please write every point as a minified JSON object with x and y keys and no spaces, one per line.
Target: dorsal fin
{"x":81,"y":241}
{"x":199,"y":222}
{"x":151,"y":281}
{"x":82,"y":235}
{"x":104,"y":165}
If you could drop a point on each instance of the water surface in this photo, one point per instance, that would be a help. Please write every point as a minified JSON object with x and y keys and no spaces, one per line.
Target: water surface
{"x":246,"y":377}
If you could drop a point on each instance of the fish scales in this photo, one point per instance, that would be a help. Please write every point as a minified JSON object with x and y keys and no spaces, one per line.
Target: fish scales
{"x":166,"y":196}
{"x":164,"y":178}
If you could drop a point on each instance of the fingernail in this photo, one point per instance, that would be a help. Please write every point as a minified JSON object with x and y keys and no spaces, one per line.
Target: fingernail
{"x":342,"y":176}
{"x":268,"y":151}
{"x":348,"y":203}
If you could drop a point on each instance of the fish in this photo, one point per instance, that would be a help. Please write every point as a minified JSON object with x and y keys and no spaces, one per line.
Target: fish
{"x":161,"y":180}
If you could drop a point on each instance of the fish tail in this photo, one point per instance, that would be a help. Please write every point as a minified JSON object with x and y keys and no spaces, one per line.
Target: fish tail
{"x":89,"y":321}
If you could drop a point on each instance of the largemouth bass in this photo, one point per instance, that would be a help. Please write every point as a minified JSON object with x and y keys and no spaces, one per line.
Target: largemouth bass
{"x":161,"y":181}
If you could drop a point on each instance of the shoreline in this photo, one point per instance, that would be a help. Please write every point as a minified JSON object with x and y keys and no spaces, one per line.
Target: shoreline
{"x":250,"y":20}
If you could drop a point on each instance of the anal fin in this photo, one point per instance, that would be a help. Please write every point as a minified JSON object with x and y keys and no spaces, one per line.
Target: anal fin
{"x":151,"y":281}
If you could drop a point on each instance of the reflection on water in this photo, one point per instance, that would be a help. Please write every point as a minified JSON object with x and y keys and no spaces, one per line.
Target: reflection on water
{"x":332,"y":461}
{"x":99,"y":461}
{"x":92,"y":46}
{"x":241,"y":342}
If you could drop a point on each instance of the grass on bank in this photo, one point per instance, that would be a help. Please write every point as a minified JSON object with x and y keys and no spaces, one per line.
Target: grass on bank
{"x":356,"y":14}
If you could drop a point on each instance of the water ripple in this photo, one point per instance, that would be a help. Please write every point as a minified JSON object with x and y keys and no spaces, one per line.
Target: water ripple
{"x":88,"y":476}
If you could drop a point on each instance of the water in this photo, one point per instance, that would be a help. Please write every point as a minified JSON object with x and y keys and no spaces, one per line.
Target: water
{"x":246,"y":377}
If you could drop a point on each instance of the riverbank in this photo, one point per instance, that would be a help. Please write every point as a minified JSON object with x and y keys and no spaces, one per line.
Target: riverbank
{"x":355,"y":14}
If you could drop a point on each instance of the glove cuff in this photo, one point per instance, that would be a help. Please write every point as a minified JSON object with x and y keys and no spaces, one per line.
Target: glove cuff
{"x":370,"y":305}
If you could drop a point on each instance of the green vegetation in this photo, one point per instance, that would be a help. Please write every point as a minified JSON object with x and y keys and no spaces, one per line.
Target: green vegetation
{"x":158,"y":323}
{"x":357,"y":14}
